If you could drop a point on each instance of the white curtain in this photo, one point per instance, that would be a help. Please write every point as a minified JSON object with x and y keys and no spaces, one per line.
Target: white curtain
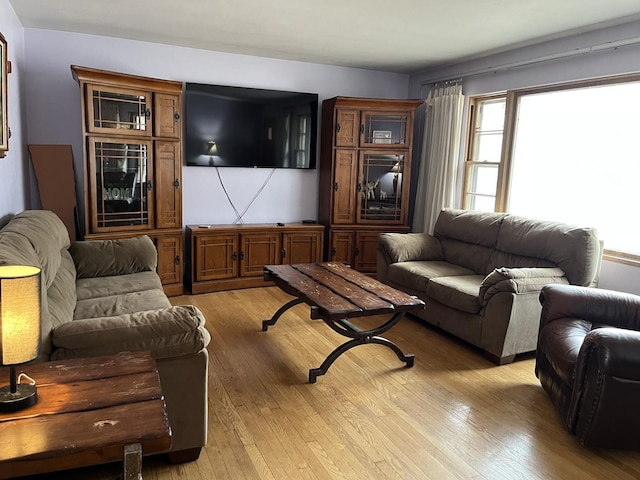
{"x":436,"y":187}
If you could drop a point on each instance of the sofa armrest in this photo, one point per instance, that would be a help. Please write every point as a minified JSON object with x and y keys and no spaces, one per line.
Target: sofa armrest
{"x":403,"y":247}
{"x":606,"y":389}
{"x":167,"y":332}
{"x":518,"y":280}
{"x":595,"y":305}
{"x":105,"y":258}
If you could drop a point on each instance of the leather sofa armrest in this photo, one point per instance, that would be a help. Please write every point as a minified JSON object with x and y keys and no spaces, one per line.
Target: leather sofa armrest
{"x":404,"y":247}
{"x":607,"y":381}
{"x":608,"y":307}
{"x":518,"y":280}
{"x":105,"y":258}
{"x":166,"y":332}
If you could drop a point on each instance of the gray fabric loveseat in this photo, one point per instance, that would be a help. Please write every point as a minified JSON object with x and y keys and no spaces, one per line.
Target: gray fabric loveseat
{"x":480,"y":274}
{"x":104,"y":297}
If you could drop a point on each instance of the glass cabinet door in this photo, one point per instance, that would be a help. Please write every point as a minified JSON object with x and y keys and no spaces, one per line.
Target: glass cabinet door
{"x":380,"y":188}
{"x":384,"y":130}
{"x":125,"y":112}
{"x":121,"y":185}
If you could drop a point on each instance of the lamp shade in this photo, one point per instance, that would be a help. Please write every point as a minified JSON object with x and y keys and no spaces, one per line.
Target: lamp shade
{"x":212,"y":148}
{"x":19,"y":314}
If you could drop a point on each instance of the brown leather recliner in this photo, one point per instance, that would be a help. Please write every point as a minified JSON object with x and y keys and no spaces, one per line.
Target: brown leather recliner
{"x":588,"y":361}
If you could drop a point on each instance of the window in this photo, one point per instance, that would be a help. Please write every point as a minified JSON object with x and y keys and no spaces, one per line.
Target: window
{"x":484,"y":152}
{"x":302,"y":142}
{"x":569,"y":154}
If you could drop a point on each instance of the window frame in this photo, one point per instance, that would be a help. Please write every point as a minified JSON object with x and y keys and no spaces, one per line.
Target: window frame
{"x":471,"y":147}
{"x":509,"y":135}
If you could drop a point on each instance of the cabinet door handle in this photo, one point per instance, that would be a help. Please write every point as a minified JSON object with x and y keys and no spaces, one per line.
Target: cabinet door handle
{"x":335,"y":187}
{"x":149,"y":185}
{"x":338,"y":127}
{"x":357,"y":252}
{"x":177,"y":259}
{"x":147,"y":113}
{"x":234,"y":256}
{"x":362,"y":128}
{"x":333,"y":252}
{"x":176,"y":183}
{"x":359,"y":187}
{"x":241,"y":255}
{"x":176,"y":117}
{"x":283,"y":252}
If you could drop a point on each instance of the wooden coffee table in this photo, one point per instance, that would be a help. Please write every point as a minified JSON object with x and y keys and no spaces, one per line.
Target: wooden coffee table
{"x":337,"y":293}
{"x":89,"y":411}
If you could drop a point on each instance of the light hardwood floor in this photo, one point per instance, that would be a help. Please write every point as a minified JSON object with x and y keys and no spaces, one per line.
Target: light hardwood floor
{"x":454,"y":415}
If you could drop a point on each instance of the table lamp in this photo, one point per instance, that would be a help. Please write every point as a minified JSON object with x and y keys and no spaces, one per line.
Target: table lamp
{"x":212,"y":150}
{"x":396,"y":169}
{"x":19,"y":330}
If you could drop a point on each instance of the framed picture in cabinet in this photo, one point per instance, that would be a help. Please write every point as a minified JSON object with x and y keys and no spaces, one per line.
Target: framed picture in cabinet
{"x":4,"y":124}
{"x":381,"y":136}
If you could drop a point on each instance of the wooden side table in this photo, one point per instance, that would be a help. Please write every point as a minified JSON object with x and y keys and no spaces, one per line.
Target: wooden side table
{"x":89,"y":411}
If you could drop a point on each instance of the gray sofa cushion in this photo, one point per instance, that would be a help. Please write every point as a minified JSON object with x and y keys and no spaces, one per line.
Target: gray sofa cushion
{"x":88,"y":288}
{"x":400,"y":247}
{"x":468,"y":247}
{"x":61,"y":296}
{"x":473,"y":257}
{"x":515,"y":261}
{"x":459,"y":292}
{"x":416,"y":275}
{"x":168,"y":332}
{"x":22,"y":244}
{"x":120,"y":304}
{"x":47,"y":235}
{"x":453,"y":223}
{"x":107,"y":258}
{"x":574,"y":249}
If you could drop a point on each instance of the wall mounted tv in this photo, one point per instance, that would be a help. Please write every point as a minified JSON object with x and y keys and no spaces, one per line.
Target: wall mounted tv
{"x":248,"y":127}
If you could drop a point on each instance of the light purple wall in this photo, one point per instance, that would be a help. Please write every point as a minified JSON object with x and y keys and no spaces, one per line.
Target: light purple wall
{"x":14,"y":167}
{"x":53,"y":111}
{"x":621,"y":60}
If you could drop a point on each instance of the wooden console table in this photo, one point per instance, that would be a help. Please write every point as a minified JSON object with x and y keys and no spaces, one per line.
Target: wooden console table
{"x":225,"y":257}
{"x":337,"y":293}
{"x":89,"y":411}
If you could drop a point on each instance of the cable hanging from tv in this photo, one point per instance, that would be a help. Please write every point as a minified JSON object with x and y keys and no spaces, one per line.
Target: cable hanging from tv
{"x":239,"y":215}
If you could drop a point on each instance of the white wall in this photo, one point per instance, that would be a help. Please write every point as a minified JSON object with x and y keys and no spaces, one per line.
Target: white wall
{"x":14,"y":167}
{"x":53,"y":112}
{"x":601,"y":63}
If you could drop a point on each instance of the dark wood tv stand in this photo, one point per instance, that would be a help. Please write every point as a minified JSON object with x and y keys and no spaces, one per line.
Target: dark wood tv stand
{"x":225,"y":257}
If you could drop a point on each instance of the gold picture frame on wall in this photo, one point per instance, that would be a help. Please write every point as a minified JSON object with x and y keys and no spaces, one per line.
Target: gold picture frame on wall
{"x":4,"y":71}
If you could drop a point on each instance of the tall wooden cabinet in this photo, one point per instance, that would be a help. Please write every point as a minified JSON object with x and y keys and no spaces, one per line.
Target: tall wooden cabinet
{"x":365,"y":172}
{"x":132,"y":134}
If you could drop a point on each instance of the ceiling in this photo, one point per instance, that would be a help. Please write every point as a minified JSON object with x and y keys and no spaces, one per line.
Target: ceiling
{"x":404,"y":36}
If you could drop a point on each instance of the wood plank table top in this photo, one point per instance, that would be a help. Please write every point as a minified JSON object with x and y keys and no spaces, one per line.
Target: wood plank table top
{"x":336,"y":291}
{"x":88,"y":410}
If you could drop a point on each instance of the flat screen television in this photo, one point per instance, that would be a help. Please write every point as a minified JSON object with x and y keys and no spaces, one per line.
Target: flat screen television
{"x":248,"y":127}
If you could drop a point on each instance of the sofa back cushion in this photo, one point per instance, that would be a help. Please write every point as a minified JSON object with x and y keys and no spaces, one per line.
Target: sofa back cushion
{"x":47,"y":235}
{"x":108,"y":258}
{"x":468,"y":238}
{"x":39,"y":238}
{"x":483,"y":241}
{"x":525,"y":242}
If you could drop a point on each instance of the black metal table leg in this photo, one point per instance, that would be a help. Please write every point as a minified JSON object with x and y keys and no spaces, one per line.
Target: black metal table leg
{"x":360,"y":337}
{"x":267,"y":323}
